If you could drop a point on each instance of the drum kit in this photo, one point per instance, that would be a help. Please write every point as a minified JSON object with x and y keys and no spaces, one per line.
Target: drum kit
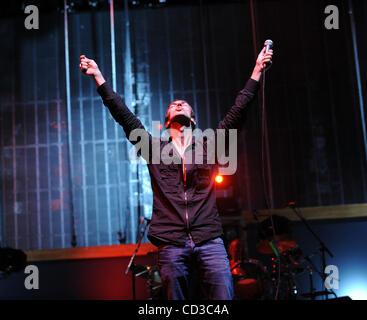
{"x":254,"y":280}
{"x":276,"y":280}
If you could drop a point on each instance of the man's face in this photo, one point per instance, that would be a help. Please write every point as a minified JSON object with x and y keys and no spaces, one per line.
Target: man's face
{"x":178,"y":109}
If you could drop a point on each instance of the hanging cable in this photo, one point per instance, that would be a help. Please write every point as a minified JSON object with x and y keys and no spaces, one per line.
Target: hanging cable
{"x":69,"y":129}
{"x":120,"y":233}
{"x":268,"y":195}
{"x":358,"y":76}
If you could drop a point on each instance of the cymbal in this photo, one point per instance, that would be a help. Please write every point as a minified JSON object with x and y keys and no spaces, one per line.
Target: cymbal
{"x":284,"y":245}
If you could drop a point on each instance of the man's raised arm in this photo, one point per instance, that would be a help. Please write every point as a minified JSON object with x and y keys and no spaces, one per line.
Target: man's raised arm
{"x":235,"y":117}
{"x":132,"y":126}
{"x":111,"y":99}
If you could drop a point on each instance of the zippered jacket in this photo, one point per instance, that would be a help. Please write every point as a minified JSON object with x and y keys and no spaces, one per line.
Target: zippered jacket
{"x":184,"y":202}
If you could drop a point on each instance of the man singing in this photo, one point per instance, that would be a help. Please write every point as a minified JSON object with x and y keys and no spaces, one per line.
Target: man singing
{"x":185,"y":224}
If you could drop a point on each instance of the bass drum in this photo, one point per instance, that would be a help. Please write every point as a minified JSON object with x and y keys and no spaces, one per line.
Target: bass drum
{"x":249,"y":279}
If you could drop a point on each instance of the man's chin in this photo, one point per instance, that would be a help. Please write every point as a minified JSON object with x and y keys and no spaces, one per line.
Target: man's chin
{"x":182,"y":119}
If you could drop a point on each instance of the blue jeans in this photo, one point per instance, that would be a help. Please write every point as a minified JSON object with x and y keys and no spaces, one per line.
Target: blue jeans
{"x":209,"y":261}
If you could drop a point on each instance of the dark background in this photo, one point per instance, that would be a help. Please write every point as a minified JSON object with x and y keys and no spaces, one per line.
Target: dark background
{"x":200,"y":51}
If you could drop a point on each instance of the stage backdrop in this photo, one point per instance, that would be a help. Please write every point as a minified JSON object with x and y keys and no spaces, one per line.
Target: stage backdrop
{"x":199,"y":51}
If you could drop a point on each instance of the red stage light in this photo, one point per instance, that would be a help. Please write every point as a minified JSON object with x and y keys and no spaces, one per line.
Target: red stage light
{"x":219,"y":179}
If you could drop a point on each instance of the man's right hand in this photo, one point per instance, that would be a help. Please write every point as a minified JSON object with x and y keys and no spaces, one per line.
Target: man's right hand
{"x":90,"y":68}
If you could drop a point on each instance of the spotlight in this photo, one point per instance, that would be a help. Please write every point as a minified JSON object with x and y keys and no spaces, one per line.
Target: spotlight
{"x":219,"y":178}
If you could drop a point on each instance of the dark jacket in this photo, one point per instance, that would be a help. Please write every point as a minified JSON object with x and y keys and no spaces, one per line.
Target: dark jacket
{"x":181,"y":207}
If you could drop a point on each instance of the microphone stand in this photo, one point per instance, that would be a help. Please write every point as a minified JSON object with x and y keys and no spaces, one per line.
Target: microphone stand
{"x":323,"y":248}
{"x":131,"y":266}
{"x":314,"y":293}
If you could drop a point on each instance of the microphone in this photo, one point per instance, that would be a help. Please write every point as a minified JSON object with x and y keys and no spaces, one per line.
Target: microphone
{"x":268,"y":45}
